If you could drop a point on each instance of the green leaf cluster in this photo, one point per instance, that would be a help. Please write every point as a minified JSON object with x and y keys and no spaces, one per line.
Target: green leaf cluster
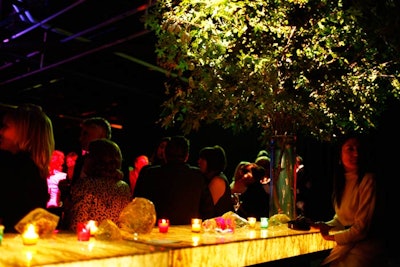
{"x":283,"y":66}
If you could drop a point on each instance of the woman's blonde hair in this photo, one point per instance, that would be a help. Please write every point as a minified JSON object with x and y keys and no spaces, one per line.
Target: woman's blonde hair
{"x":35,"y":134}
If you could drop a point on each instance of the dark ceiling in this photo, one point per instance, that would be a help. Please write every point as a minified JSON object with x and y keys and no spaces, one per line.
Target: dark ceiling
{"x":79,"y":58}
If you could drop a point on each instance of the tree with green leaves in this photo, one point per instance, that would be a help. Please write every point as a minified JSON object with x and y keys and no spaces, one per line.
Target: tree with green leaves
{"x":282,"y":66}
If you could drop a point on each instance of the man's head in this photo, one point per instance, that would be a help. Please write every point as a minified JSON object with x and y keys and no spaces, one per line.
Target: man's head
{"x":177,"y":149}
{"x":140,"y":162}
{"x":92,"y":129}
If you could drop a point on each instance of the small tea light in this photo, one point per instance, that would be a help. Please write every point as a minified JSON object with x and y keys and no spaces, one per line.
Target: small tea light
{"x":196,"y":225}
{"x":30,"y":237}
{"x":252,"y":221}
{"x":163,"y":225}
{"x":83,"y":231}
{"x":92,"y":225}
{"x":264,"y":222}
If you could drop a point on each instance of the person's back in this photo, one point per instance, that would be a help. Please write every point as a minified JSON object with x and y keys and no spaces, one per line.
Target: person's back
{"x":102,"y":194}
{"x":212,"y":162}
{"x":26,"y":144}
{"x":25,"y":191}
{"x":179,"y":191}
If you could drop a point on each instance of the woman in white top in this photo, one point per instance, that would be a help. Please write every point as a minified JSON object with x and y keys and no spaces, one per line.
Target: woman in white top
{"x":353,"y":227}
{"x":55,"y":176}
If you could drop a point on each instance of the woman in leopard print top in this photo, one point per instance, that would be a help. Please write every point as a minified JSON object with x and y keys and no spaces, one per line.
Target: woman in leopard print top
{"x":101,"y":194}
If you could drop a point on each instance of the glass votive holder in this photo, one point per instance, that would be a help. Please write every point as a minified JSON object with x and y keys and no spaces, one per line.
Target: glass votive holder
{"x":252,"y":222}
{"x":263,"y":222}
{"x":30,"y":236}
{"x":163,"y":225}
{"x":196,"y":225}
{"x":225,"y":225}
{"x":93,"y":225}
{"x":83,"y":231}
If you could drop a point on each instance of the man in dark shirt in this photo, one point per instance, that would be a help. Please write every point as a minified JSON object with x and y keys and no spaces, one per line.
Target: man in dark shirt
{"x":179,"y":191}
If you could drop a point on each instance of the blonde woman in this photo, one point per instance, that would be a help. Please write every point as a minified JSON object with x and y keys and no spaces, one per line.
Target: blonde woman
{"x":26,"y":146}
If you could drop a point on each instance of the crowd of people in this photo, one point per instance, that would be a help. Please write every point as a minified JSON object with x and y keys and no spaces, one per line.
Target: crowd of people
{"x":96,"y":184}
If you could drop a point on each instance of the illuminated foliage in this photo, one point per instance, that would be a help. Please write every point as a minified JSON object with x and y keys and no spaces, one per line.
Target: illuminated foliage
{"x":283,"y":66}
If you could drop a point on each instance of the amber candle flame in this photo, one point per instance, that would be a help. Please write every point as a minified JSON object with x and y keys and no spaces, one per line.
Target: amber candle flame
{"x":196,"y":225}
{"x":251,"y":221}
{"x":30,"y":237}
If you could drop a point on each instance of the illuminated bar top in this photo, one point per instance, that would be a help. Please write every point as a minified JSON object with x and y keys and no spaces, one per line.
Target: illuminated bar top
{"x":179,"y":247}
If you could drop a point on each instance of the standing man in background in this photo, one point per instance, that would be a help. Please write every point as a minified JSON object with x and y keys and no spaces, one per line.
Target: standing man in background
{"x":91,"y":129}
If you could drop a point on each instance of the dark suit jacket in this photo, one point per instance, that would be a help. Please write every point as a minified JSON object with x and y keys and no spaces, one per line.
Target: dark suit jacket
{"x":179,"y":192}
{"x":78,"y":168}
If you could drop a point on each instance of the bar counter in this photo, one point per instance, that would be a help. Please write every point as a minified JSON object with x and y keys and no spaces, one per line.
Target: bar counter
{"x":179,"y":247}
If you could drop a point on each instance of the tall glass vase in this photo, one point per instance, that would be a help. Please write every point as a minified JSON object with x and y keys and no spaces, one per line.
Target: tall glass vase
{"x":283,"y":157}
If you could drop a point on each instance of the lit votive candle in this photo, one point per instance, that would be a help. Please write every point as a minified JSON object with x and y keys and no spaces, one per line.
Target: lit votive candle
{"x":83,"y":231}
{"x":92,"y":225}
{"x":30,"y":236}
{"x":163,"y":225}
{"x":251,"y":221}
{"x":196,"y":225}
{"x":264,"y":222}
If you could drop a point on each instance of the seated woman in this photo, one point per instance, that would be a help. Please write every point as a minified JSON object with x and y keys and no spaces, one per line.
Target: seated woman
{"x":212,"y":162}
{"x":238,"y":185}
{"x":26,"y":144}
{"x":102,"y":194}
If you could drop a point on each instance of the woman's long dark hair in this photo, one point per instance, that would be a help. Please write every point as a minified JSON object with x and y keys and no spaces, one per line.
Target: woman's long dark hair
{"x":339,"y":172}
{"x":216,"y":160}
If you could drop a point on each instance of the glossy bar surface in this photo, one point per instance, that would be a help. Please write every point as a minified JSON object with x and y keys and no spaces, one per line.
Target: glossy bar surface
{"x":179,"y":247}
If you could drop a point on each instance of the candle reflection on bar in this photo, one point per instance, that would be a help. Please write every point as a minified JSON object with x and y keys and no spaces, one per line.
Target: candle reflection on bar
{"x":195,"y":240}
{"x":264,"y":233}
{"x":252,"y":234}
{"x":29,"y":252}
